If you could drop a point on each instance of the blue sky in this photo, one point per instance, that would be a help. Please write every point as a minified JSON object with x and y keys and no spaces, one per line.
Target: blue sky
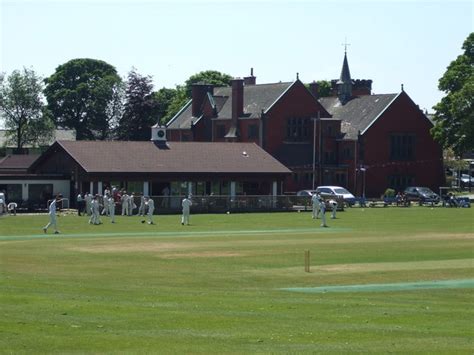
{"x":391,"y":42}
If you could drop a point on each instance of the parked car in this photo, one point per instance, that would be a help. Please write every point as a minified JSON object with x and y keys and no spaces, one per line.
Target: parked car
{"x":466,"y":180}
{"x":306,"y":193}
{"x":333,"y":191}
{"x":421,"y":194}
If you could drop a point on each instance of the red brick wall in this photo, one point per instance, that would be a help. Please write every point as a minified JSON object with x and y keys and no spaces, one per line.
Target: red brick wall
{"x":402,"y":116}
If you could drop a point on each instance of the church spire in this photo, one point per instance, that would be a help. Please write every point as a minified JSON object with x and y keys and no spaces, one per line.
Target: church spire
{"x":345,"y":72}
{"x":344,"y":84}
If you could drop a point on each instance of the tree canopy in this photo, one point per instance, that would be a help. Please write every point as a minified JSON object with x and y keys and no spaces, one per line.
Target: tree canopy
{"x":454,"y":114}
{"x":140,"y":109}
{"x":177,"y":98}
{"x":21,"y":104}
{"x":212,"y":77}
{"x":85,"y":95}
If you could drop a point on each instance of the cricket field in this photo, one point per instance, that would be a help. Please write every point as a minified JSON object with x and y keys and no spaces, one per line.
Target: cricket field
{"x":380,"y":280}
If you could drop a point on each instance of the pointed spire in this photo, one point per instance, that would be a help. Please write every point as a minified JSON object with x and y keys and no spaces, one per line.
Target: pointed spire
{"x":345,"y":72}
{"x":344,"y":84}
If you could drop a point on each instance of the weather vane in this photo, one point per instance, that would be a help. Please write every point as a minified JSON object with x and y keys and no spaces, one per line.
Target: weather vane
{"x":345,"y":44}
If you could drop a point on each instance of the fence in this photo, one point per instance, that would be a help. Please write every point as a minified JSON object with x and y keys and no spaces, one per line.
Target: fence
{"x":208,"y":204}
{"x":223,"y":204}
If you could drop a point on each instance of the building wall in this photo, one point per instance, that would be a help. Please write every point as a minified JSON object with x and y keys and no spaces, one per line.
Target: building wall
{"x":58,"y":163}
{"x":426,"y":167}
{"x":296,"y":103}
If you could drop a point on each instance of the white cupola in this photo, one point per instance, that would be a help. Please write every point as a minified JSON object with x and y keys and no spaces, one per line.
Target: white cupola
{"x":158,"y":133}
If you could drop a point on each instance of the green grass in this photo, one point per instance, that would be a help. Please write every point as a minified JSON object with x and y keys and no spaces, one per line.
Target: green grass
{"x":217,"y":286}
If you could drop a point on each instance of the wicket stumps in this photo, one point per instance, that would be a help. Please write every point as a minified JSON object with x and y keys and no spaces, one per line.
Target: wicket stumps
{"x":306,"y":260}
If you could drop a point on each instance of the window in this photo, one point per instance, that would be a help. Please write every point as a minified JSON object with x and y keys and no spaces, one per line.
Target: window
{"x":330,"y":157}
{"x":297,"y":129}
{"x":402,"y":147}
{"x":135,"y":186}
{"x":341,"y":179}
{"x":346,"y":153}
{"x":40,"y":193}
{"x":13,"y":192}
{"x":252,"y":131}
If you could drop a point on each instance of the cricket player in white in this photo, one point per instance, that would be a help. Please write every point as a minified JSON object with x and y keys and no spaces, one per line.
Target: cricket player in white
{"x":316,"y":204}
{"x":333,"y":204}
{"x":322,"y":208}
{"x":95,"y":211}
{"x":125,"y":204}
{"x":141,"y":208}
{"x":88,"y":198}
{"x":186,"y":204}
{"x":151,"y":207}
{"x":105,"y":210}
{"x":111,"y":204}
{"x":52,"y":216}
{"x":131,"y":204}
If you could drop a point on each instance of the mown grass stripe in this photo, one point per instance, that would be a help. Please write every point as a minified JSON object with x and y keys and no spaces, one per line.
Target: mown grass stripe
{"x":187,"y":233}
{"x":402,"y":286}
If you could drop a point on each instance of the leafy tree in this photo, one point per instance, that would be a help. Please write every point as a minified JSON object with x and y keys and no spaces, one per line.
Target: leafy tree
{"x":85,"y":94}
{"x":175,"y":99}
{"x":176,"y":103}
{"x":324,"y":88}
{"x":21,"y":105}
{"x":164,"y":96}
{"x":454,"y":115}
{"x":209,"y":77}
{"x":141,"y":108}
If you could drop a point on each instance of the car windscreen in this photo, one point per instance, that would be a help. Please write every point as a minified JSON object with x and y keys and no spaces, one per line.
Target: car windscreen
{"x":341,"y":191}
{"x":425,"y":190}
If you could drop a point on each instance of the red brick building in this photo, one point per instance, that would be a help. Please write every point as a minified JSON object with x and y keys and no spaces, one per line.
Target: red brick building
{"x":364,"y":142}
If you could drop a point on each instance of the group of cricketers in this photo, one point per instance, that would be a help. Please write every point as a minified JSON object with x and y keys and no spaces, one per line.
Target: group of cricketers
{"x":147,"y":208}
{"x":91,"y":206}
{"x":319,"y":208}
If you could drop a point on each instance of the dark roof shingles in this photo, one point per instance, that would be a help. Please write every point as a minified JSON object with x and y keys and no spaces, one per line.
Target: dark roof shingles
{"x":358,"y":113}
{"x":176,"y":157}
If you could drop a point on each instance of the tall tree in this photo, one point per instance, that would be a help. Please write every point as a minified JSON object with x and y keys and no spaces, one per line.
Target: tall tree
{"x":212,"y":77}
{"x":454,"y":115}
{"x":178,"y":99}
{"x":182,"y":94}
{"x":83,"y":94}
{"x":141,"y":109}
{"x":164,"y":97}
{"x":21,"y":105}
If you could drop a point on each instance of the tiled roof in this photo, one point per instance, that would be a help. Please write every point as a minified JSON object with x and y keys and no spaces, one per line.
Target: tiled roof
{"x":183,"y":119}
{"x":358,"y":113}
{"x":174,"y":157}
{"x":256,"y":98}
{"x":16,"y":163}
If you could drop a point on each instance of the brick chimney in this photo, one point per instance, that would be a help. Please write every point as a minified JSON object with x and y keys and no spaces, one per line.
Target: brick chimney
{"x":237,"y":98}
{"x":198,"y":94}
{"x":250,"y":80}
{"x":314,"y":89}
{"x":237,"y":109}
